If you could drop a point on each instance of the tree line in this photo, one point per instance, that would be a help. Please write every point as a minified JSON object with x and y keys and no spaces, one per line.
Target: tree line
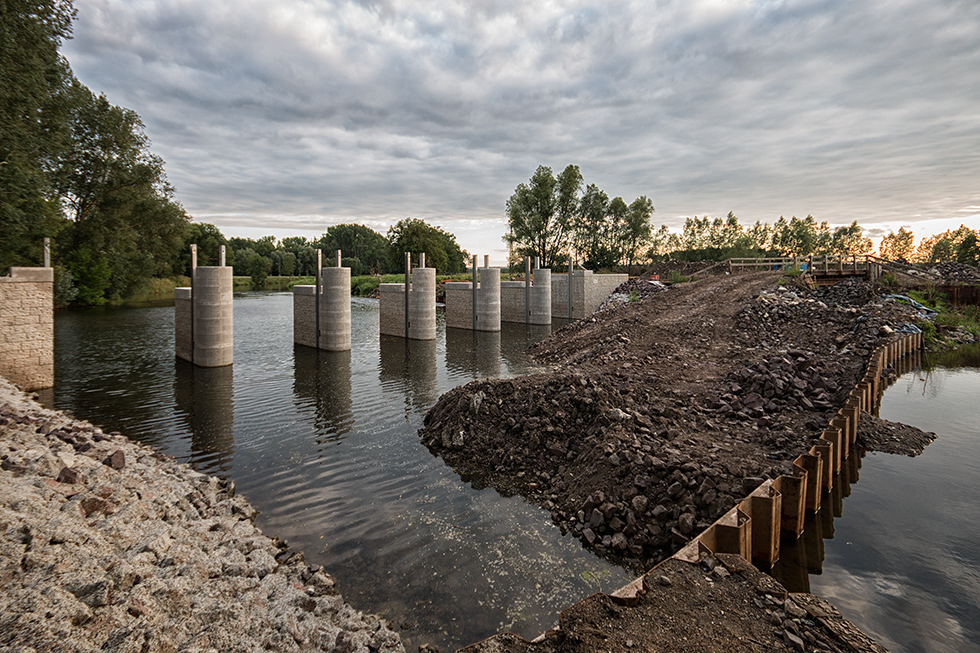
{"x":556,"y":217}
{"x":363,"y":250}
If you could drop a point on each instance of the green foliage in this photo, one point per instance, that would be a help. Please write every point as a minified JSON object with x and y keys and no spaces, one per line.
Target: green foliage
{"x":888,"y":280}
{"x":258,"y":269}
{"x":897,"y":246}
{"x":33,"y":126}
{"x":415,"y":236}
{"x":540,"y":214}
{"x":677,"y":277}
{"x":91,"y":272}
{"x":968,"y":251}
{"x":65,"y":291}
{"x":358,"y":242}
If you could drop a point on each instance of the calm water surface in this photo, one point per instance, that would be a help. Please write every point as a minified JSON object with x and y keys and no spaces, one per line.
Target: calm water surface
{"x":900,"y":555}
{"x":326,"y":447}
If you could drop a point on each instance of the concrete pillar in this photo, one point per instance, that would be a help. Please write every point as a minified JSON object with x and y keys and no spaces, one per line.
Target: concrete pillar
{"x":488,"y":300}
{"x":27,"y":327}
{"x":335,"y":315}
{"x":540,"y":306}
{"x":213,"y":318}
{"x":422,"y":305}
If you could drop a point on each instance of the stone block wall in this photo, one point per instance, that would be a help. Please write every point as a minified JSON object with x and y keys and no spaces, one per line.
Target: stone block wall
{"x":27,"y":327}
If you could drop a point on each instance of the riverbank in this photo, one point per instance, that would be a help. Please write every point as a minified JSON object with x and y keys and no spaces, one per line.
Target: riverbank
{"x":108,"y":545}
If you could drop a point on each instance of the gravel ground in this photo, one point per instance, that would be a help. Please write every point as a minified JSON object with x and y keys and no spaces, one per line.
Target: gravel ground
{"x":106,"y":545}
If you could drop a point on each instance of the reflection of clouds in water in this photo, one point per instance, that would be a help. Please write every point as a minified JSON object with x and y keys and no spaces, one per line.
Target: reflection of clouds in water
{"x":924,"y":626}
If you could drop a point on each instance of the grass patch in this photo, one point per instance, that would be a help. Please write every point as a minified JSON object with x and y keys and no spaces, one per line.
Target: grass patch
{"x":677,"y":277}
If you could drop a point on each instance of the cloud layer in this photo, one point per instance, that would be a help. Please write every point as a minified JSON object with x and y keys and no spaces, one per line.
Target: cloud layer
{"x":299,"y":114}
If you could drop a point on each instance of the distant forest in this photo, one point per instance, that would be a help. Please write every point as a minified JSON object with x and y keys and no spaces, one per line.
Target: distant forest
{"x":78,"y":170}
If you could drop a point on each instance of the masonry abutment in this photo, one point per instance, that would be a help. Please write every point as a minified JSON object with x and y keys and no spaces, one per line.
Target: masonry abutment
{"x":27,"y":327}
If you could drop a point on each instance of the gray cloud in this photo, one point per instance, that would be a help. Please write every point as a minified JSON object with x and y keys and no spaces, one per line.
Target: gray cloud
{"x":295,"y":113}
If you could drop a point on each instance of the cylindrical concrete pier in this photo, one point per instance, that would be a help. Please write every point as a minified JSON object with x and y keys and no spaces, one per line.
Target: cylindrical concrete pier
{"x":213,"y":318}
{"x":539,"y":309}
{"x":488,"y":300}
{"x":335,"y":316}
{"x":422,"y":305}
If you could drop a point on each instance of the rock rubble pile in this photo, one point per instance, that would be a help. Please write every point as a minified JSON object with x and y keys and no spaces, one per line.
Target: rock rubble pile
{"x":107,"y":545}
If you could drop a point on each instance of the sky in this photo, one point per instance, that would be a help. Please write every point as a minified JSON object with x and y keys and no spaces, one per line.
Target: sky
{"x":288,"y":117}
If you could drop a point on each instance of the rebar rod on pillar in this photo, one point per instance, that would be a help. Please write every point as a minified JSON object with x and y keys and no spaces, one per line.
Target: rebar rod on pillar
{"x":47,"y":253}
{"x":421,"y":259}
{"x":193,"y":274}
{"x":339,"y":258}
{"x":408,"y":272}
{"x":527,"y":290}
{"x":474,"y":292}
{"x":316,"y":297}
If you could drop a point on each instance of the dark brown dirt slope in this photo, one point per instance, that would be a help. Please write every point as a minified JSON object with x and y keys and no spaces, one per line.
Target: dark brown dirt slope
{"x":662,"y":413}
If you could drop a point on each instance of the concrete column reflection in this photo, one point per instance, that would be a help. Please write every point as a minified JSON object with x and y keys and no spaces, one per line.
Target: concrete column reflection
{"x":411,"y":366}
{"x":204,"y":397}
{"x":325,"y":378}
{"x":473,"y":353}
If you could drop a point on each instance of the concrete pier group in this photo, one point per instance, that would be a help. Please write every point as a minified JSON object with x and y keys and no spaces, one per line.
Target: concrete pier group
{"x":203,"y":315}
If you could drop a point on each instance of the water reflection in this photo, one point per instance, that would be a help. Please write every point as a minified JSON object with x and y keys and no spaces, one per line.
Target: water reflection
{"x":324,"y":378}
{"x":473,"y":353}
{"x":203,"y":398}
{"x":409,"y":366}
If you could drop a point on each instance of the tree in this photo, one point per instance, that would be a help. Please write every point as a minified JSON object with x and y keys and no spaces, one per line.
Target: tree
{"x":356,"y":241}
{"x":33,"y":124}
{"x":636,"y":231}
{"x":540,"y":213}
{"x":968,"y":251}
{"x":589,"y":226}
{"x":416,"y":236}
{"x":848,"y":241}
{"x":897,"y":246}
{"x":258,"y":269}
{"x":117,"y":198}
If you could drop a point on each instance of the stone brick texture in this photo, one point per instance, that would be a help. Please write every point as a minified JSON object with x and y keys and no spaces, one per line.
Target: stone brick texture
{"x":27,"y":327}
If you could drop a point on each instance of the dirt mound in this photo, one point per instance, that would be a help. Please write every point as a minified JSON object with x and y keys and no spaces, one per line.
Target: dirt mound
{"x":662,"y":413}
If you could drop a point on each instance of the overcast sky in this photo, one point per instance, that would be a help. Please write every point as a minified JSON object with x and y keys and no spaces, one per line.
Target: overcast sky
{"x":287,"y":117}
